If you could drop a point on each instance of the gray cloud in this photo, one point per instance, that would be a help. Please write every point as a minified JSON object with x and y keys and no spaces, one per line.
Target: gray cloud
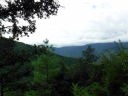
{"x":84,"y":21}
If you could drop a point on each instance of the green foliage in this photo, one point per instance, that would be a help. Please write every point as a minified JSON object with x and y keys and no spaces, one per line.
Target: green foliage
{"x":115,"y":71}
{"x":107,"y":76}
{"x":40,"y":72}
{"x":24,"y":10}
{"x":80,"y":91}
{"x":94,"y":89}
{"x":16,"y":92}
{"x":15,"y":68}
{"x":83,"y":68}
{"x":89,"y":55}
{"x":10,"y":93}
{"x":31,"y":93}
{"x":125,"y":89}
{"x":95,"y":72}
{"x":112,"y":67}
{"x":52,"y":75}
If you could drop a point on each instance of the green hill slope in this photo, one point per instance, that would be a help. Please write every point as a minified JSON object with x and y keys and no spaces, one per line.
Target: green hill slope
{"x":30,"y":50}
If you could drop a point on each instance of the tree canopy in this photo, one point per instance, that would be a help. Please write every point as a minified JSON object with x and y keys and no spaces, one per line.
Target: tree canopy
{"x":12,"y":11}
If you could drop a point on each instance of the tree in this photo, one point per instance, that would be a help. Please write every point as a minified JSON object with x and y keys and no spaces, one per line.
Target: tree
{"x":46,"y":67}
{"x":89,"y":55}
{"x":15,"y":11}
{"x":83,"y":68}
{"x":94,"y":89}
{"x":15,"y":69}
{"x":5,"y":46}
{"x":61,"y":83}
{"x":115,"y":72}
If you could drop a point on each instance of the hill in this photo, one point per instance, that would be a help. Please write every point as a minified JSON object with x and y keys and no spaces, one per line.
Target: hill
{"x":30,"y":50}
{"x":76,"y":51}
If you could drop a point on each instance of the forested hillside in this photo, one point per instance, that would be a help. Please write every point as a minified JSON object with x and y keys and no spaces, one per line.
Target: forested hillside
{"x":99,"y":69}
{"x":76,"y":51}
{"x":27,"y":70}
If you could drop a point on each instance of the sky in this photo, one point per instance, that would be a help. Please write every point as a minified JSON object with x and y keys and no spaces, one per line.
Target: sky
{"x":80,"y":22}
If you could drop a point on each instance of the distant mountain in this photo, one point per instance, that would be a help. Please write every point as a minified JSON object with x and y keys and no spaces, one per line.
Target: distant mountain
{"x":76,"y":51}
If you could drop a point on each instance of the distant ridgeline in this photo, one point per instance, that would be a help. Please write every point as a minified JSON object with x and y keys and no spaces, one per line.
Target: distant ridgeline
{"x":76,"y":51}
{"x":6,"y":44}
{"x":29,"y":50}
{"x":69,"y":51}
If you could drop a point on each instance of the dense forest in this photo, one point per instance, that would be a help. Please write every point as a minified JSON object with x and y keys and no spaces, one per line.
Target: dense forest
{"x":27,"y":70}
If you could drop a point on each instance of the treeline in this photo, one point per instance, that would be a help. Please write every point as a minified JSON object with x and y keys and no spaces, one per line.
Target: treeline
{"x":39,"y":72}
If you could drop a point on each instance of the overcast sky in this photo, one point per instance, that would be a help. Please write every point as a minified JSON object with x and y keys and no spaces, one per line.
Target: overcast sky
{"x":83,"y":21}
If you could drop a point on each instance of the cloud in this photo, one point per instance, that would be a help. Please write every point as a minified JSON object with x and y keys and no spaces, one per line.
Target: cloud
{"x":84,"y":21}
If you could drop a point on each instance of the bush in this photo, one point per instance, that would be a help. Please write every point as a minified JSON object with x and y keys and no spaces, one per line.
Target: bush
{"x":80,"y":91}
{"x":125,"y":89}
{"x":31,"y":93}
{"x":94,"y":89}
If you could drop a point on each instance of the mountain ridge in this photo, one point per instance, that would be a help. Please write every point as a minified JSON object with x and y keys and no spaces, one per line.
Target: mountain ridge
{"x":76,"y":51}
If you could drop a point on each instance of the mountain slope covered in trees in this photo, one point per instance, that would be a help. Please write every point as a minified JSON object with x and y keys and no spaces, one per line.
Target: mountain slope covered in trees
{"x":27,"y":70}
{"x":76,"y":51}
{"x":30,"y":49}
